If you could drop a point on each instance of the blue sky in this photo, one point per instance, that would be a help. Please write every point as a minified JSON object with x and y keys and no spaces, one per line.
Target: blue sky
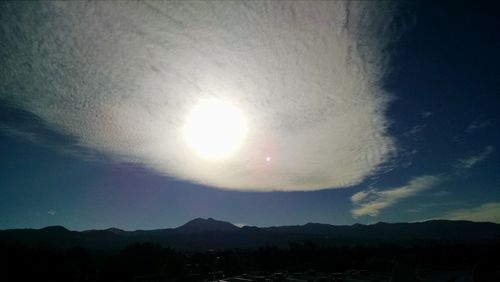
{"x":419,"y":141}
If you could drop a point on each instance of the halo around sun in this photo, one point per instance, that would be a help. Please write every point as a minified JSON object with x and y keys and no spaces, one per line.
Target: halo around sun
{"x":227,"y":95}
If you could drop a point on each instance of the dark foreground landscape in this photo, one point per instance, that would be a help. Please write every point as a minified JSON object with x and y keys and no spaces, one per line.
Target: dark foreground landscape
{"x":208,"y":249}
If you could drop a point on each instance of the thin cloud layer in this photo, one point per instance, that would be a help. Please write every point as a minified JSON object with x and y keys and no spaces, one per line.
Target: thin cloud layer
{"x":473,"y":160}
{"x":121,"y":78}
{"x":371,"y":202}
{"x":486,"y":212}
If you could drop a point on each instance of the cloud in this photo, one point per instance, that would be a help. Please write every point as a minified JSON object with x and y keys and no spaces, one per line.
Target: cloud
{"x":121,"y":79}
{"x":414,"y":130}
{"x":359,"y":196}
{"x":372,"y":201}
{"x":476,"y":125}
{"x":486,"y":212}
{"x":19,"y":124}
{"x":51,"y":212}
{"x":473,"y":160}
{"x":425,"y":114}
{"x":431,"y":205}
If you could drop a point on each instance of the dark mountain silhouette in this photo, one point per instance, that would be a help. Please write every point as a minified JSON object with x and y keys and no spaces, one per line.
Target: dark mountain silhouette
{"x":116,"y":231}
{"x":203,"y":234}
{"x":205,"y":225}
{"x":428,"y":230}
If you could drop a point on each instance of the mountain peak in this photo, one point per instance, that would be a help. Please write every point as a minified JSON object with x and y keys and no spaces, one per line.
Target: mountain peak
{"x":54,"y":228}
{"x":116,"y":231}
{"x":204,"y":225}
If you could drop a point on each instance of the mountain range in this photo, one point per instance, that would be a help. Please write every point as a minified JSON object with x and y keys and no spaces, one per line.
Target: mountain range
{"x":207,"y":234}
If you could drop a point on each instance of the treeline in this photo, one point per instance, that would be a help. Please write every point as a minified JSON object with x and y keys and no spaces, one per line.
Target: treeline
{"x":151,"y":262}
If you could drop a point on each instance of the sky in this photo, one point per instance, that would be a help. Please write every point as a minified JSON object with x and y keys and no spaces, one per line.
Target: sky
{"x":145,"y":115}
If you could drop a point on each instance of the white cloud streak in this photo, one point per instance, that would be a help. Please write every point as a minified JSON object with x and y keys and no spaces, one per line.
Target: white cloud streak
{"x":473,"y":160}
{"x":487,"y":212}
{"x":476,"y":125}
{"x":121,"y":77}
{"x":414,"y":130}
{"x":425,"y":115}
{"x":372,"y":201}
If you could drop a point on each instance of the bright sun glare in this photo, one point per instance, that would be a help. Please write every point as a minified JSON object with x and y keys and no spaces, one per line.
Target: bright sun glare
{"x":215,"y":129}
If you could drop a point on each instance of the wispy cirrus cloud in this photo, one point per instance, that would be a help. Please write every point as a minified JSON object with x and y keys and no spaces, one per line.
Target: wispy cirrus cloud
{"x":476,"y":125}
{"x":472,"y":160}
{"x":20,"y":124}
{"x":372,"y":201}
{"x":425,"y":114}
{"x":414,"y":130}
{"x":485,"y":212}
{"x":120,"y":79}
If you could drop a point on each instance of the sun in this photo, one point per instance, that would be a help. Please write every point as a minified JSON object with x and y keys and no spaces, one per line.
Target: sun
{"x":215,"y":129}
